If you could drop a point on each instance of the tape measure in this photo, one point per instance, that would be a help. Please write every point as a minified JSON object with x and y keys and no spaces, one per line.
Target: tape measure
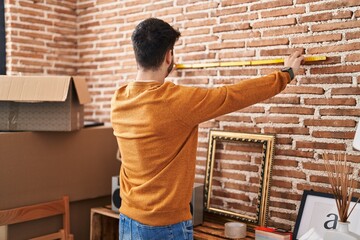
{"x":244,"y":63}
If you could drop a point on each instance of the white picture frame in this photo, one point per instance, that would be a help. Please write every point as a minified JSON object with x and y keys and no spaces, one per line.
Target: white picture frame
{"x":318,"y":211}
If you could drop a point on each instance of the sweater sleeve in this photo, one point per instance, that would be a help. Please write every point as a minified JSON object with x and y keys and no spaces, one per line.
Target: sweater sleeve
{"x":198,"y":105}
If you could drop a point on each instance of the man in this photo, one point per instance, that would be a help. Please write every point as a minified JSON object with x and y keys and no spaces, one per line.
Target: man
{"x":156,"y":125}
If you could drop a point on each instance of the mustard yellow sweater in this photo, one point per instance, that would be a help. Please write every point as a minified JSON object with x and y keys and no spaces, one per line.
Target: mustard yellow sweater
{"x":156,"y":126}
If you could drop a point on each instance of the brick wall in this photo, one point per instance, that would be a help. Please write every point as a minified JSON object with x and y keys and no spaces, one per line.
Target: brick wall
{"x":41,"y":37}
{"x":316,"y":113}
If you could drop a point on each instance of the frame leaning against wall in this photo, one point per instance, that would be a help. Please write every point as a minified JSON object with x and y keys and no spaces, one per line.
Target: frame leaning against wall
{"x":318,"y":212}
{"x":2,"y":39}
{"x":266,"y":143}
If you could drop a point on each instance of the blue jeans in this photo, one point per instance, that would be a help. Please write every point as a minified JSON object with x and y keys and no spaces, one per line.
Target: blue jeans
{"x":130,"y":229}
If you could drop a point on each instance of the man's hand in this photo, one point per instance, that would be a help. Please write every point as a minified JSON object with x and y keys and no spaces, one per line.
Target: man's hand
{"x":294,"y":61}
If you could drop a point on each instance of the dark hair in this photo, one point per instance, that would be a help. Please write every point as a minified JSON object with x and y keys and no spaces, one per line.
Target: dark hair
{"x":151,"y":39}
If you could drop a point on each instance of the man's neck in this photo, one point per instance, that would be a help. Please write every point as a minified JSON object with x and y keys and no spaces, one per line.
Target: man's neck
{"x":149,"y":76}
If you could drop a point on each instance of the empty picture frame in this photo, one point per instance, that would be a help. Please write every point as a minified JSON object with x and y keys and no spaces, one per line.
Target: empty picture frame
{"x":237,"y":178}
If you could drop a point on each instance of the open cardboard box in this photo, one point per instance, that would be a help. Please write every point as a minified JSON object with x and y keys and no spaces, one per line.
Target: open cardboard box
{"x":42,"y":103}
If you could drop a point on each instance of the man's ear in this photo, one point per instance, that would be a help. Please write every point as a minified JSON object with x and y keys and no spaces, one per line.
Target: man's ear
{"x":169,"y":56}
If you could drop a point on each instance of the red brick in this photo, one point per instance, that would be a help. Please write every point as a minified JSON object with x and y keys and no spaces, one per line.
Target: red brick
{"x":236,"y":54}
{"x":28,"y":69}
{"x":292,"y":110}
{"x":27,"y":11}
{"x":349,"y":158}
{"x":34,"y":63}
{"x":334,"y":5}
{"x":307,"y":1}
{"x":312,"y":187}
{"x":61,"y":17}
{"x":168,"y":11}
{"x":286,"y":195}
{"x":35,"y":21}
{"x":329,"y":123}
{"x":274,"y":23}
{"x":228,"y":11}
{"x":335,"y":48}
{"x":339,"y":112}
{"x":319,"y":179}
{"x":241,"y":35}
{"x":242,"y":187}
{"x":225,"y":45}
{"x":317,"y":38}
{"x":202,"y":6}
{"x":38,"y":6}
{"x":234,"y":72}
{"x":192,"y":32}
{"x":335,"y":26}
{"x":200,"y":23}
{"x":230,"y":118}
{"x":328,"y":61}
{"x":313,"y":166}
{"x":226,"y":3}
{"x":303,"y":90}
{"x":272,"y":4}
{"x":268,"y":42}
{"x":295,"y":153}
{"x":283,"y":215}
{"x":329,"y":134}
{"x":269,"y":119}
{"x":280,"y":52}
{"x":357,"y":13}
{"x":332,"y":101}
{"x":283,"y":100}
{"x":157,"y":5}
{"x":200,"y":72}
{"x":286,"y":130}
{"x":321,"y":145}
{"x":35,"y":35}
{"x":238,"y":18}
{"x":326,"y":80}
{"x":355,"y":57}
{"x":346,"y":91}
{"x":285,"y":162}
{"x":286,"y":31}
{"x":199,"y":56}
{"x":243,"y":129}
{"x":28,"y":26}
{"x":325,"y":16}
{"x":286,"y":205}
{"x":337,"y":69}
{"x":289,"y":173}
{"x":231,"y":27}
{"x":282,"y":12}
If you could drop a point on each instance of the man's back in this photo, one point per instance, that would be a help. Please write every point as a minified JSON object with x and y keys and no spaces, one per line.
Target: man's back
{"x":157,"y":167}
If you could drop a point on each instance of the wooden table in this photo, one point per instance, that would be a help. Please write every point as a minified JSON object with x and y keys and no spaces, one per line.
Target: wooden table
{"x":104,"y":225}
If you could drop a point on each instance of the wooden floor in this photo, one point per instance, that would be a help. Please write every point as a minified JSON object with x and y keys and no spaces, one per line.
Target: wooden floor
{"x":214,"y":231}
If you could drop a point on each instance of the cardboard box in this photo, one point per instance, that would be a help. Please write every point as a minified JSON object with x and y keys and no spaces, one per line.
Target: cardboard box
{"x":42,"y":166}
{"x":42,"y":103}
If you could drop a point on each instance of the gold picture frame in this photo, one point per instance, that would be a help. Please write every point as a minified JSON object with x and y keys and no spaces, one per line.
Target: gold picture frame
{"x":258,"y":159}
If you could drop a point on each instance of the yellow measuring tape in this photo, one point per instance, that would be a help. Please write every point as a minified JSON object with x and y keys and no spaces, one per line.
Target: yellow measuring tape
{"x":244,"y":63}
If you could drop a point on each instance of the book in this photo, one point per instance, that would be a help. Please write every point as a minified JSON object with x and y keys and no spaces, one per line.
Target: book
{"x":264,"y":233}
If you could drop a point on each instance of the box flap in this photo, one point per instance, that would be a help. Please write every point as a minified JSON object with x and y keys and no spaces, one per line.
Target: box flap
{"x":34,"y":88}
{"x":82,"y":90}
